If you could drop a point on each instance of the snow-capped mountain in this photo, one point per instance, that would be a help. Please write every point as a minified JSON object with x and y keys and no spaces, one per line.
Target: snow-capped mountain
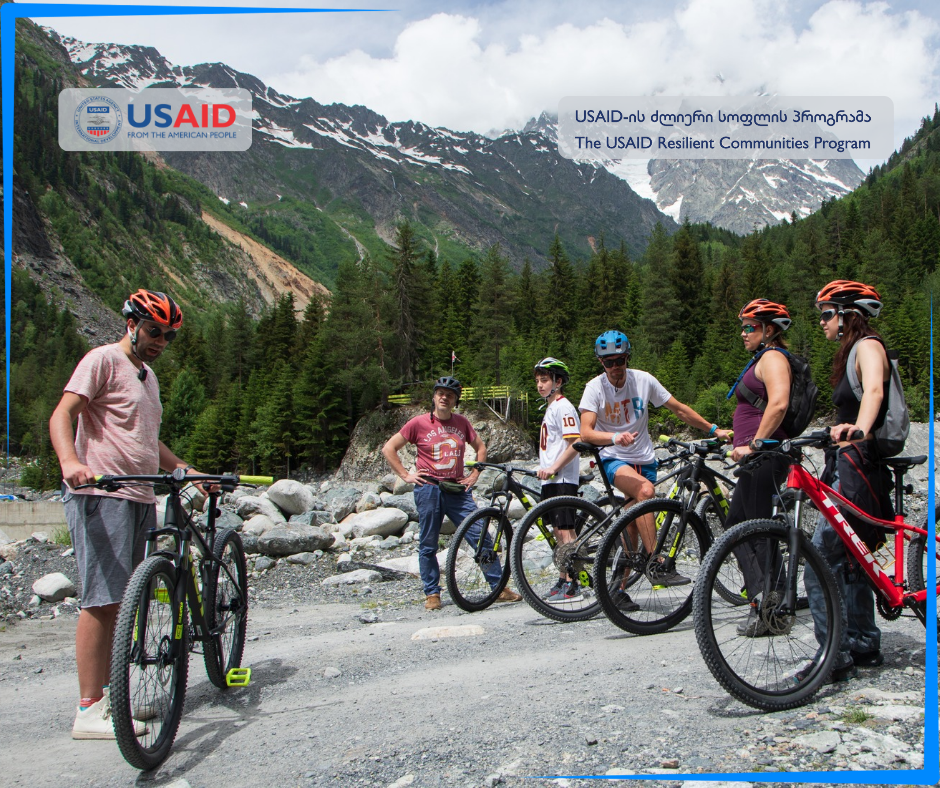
{"x":464,"y":188}
{"x":738,"y":194}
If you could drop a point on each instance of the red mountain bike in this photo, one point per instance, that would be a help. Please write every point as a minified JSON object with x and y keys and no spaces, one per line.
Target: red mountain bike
{"x":760,"y":670}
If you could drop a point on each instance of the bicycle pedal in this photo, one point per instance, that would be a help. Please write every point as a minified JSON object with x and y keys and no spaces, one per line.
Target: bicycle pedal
{"x":238,"y":677}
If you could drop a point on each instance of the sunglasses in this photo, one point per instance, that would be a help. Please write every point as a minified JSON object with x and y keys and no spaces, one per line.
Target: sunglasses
{"x":748,"y":329}
{"x":610,"y":363}
{"x":827,"y":314}
{"x":154,"y":332}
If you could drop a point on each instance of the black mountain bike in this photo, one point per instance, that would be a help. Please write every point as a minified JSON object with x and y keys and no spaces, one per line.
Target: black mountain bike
{"x":646,"y":593}
{"x":154,"y":634}
{"x":538,"y":559}
{"x":481,"y":542}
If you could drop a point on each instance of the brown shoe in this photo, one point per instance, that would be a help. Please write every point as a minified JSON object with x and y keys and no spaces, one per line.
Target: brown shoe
{"x":433,"y":602}
{"x":508,"y":596}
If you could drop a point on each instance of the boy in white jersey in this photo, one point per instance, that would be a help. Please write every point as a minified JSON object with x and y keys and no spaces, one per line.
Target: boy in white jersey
{"x":558,"y":459}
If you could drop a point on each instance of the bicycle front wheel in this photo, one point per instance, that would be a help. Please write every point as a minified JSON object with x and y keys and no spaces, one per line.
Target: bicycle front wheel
{"x":755,"y":651}
{"x":149,"y":665}
{"x":226,"y":605}
{"x":539,"y":560}
{"x":645,"y":594}
{"x":918,"y":558}
{"x":477,"y":566}
{"x":714,"y":521}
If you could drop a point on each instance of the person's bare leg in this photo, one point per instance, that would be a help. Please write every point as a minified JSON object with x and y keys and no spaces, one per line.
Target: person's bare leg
{"x":93,"y":637}
{"x":638,"y":487}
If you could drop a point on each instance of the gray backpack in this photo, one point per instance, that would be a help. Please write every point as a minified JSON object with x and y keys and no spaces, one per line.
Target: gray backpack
{"x":890,"y":436}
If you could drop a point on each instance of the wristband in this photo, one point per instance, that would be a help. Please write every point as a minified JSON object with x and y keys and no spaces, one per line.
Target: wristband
{"x":713,"y":429}
{"x":613,"y":440}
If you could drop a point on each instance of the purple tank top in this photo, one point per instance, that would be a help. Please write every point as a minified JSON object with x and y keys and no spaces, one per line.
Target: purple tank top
{"x":746,"y":416}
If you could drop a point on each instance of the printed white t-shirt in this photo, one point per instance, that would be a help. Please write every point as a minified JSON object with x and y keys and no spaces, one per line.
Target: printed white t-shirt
{"x":560,"y":424}
{"x":625,"y":409}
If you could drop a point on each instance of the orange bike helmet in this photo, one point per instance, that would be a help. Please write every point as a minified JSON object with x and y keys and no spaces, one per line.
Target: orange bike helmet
{"x":766,"y":312}
{"x":857,"y":296}
{"x":150,"y":305}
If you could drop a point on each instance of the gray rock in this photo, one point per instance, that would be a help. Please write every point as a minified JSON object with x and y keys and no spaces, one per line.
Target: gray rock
{"x":313,"y":517}
{"x":304,"y":559}
{"x":194,"y":499}
{"x":54,"y":587}
{"x":341,"y":501}
{"x":331,"y":673}
{"x":368,"y":502}
{"x":447,"y":527}
{"x":291,"y":497}
{"x":404,"y":502}
{"x":249,"y":505}
{"x":401,"y":487}
{"x":381,"y":522}
{"x":590,"y":493}
{"x":250,"y":543}
{"x":292,"y":538}
{"x":257,"y":525}
{"x":389,"y":543}
{"x":823,"y":741}
{"x":225,"y":519}
{"x":388,"y":483}
{"x":353,"y":578}
{"x":4,"y":539}
{"x":264,"y":563}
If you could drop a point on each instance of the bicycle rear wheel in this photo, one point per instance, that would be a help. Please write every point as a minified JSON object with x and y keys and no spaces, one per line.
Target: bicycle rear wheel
{"x":481,"y":542}
{"x":538,"y":560}
{"x":918,"y":558}
{"x":642,"y":594}
{"x":149,"y":664}
{"x":226,"y":606}
{"x":755,"y":655}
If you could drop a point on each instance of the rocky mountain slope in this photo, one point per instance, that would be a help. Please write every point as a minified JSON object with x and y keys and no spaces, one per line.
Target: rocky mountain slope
{"x":365,"y":174}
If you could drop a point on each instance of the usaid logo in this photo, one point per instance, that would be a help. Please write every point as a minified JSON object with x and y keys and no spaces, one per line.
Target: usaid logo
{"x":98,"y":119}
{"x":192,"y":116}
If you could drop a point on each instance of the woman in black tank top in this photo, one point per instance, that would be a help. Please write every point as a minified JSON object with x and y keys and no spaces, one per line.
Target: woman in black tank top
{"x":845,"y":308}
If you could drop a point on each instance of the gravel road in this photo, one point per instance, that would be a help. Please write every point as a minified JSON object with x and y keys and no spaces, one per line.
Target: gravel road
{"x":343,"y":694}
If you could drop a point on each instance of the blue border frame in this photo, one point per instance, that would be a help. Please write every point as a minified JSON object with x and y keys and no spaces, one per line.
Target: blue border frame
{"x":10,"y":12}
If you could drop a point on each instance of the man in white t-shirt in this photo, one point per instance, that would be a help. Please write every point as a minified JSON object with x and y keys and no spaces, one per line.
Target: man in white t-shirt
{"x":559,"y":464}
{"x":615,"y":413}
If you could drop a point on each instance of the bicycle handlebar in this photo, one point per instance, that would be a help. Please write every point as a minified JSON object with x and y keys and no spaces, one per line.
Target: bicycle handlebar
{"x":176,"y":478}
{"x":505,"y":468}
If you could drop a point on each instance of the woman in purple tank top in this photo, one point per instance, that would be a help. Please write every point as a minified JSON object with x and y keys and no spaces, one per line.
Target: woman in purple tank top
{"x":768,"y":376}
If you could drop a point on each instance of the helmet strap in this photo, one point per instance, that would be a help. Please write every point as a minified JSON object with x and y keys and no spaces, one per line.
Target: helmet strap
{"x":134,"y":341}
{"x":840,"y":313}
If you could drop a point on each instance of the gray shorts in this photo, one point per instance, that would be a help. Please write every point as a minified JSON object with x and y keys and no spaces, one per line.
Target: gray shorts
{"x":108,"y":535}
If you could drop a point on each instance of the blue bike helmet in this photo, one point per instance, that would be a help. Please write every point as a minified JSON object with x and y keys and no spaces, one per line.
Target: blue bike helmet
{"x":612,"y":343}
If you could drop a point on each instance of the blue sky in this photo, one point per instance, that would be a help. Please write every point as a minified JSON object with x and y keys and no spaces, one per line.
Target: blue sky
{"x":491,"y":65}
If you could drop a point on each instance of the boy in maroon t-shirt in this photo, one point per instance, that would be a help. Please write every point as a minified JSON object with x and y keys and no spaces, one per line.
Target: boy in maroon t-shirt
{"x":440,"y":437}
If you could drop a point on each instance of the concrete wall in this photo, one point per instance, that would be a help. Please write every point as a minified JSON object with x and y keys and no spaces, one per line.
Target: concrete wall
{"x":18,"y":519}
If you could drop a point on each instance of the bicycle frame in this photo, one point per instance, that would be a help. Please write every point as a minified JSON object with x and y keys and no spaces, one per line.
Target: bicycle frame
{"x":821,"y":495}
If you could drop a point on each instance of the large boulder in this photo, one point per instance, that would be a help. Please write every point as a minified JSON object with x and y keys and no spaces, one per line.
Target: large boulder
{"x":257,"y":525}
{"x":368,"y":502}
{"x":292,"y":538}
{"x":54,"y":587}
{"x":313,"y":517}
{"x":341,"y":501}
{"x":355,"y":577}
{"x":291,"y":497}
{"x":404,"y":502}
{"x":249,"y":505}
{"x":382,"y":522}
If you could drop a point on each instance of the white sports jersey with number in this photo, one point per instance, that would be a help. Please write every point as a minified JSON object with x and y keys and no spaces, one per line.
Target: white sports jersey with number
{"x":561,"y":424}
{"x":625,"y":410}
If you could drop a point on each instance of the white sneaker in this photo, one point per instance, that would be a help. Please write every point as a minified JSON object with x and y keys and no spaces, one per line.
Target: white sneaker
{"x":95,"y":721}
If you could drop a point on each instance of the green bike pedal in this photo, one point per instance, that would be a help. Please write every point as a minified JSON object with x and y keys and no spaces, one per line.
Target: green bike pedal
{"x":238,"y":677}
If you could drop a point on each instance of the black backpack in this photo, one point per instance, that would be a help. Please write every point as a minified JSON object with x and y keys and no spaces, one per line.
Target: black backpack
{"x":803,"y":393}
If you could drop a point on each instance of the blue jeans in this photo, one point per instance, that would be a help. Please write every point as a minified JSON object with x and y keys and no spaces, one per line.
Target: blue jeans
{"x":432,"y":504}
{"x":859,"y":631}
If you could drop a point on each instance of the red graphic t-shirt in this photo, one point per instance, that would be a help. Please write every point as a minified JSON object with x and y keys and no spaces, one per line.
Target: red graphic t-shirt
{"x":440,"y":444}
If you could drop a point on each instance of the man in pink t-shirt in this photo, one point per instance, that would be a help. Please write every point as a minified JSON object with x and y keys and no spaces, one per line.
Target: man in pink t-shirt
{"x":440,"y":438}
{"x":114,"y":396}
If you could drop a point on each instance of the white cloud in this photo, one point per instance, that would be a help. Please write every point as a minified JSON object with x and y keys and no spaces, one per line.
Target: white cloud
{"x":445,"y":70}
